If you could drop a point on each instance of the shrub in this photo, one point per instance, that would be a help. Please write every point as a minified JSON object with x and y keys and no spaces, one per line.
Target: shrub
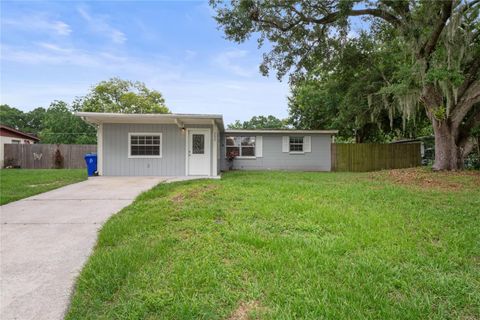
{"x":58,"y":159}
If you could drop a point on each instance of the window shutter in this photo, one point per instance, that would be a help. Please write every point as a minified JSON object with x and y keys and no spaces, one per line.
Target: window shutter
{"x":307,"y":144}
{"x":259,"y":146}
{"x":285,"y":143}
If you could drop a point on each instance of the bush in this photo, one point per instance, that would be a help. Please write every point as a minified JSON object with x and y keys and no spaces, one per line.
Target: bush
{"x":58,"y":159}
{"x":10,"y":163}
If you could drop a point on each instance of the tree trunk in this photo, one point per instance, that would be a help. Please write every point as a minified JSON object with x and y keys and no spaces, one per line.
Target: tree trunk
{"x":448,"y":155}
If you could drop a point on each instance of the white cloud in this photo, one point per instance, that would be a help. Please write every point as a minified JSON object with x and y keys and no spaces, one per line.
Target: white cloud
{"x":229,"y":61}
{"x":38,"y":22}
{"x":61,"y":28}
{"x":190,"y":54}
{"x":48,"y":53}
{"x":53,"y":47}
{"x":99,"y":24}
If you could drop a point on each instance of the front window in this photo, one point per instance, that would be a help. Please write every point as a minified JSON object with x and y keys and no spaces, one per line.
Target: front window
{"x":241,"y":146}
{"x":145,"y":145}
{"x":296,"y":144}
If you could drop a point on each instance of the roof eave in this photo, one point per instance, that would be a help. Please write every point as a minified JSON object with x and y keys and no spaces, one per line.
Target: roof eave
{"x":99,"y":117}
{"x":20,"y":133}
{"x":291,"y":131}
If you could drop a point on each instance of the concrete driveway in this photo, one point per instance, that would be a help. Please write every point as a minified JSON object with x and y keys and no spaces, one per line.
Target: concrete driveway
{"x":46,"y":239}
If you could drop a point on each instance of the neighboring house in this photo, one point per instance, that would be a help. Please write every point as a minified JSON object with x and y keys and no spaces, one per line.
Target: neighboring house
{"x":13,"y":136}
{"x":197,"y":145}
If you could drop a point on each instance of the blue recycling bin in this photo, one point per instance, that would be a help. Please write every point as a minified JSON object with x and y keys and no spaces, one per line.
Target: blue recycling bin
{"x":91,"y":160}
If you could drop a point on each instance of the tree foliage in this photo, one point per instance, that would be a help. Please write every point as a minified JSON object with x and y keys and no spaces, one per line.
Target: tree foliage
{"x":56,"y":124}
{"x":122,"y":96}
{"x":259,"y":122}
{"x":12,"y":117}
{"x":342,"y":98}
{"x":436,"y":59}
{"x":60,"y":125}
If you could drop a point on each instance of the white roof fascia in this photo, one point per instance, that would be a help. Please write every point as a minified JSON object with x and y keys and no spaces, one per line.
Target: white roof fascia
{"x":282,"y":131}
{"x":179,"y":119}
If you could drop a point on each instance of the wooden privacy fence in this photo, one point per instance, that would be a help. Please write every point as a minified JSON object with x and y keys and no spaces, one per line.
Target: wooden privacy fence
{"x":370,"y":157}
{"x":43,"y":156}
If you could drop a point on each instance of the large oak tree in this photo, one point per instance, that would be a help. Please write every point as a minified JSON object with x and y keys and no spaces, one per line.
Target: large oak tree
{"x":439,"y":53}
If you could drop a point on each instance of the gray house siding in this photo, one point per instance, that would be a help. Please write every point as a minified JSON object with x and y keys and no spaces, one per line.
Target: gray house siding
{"x":319,"y":159}
{"x":172,"y":163}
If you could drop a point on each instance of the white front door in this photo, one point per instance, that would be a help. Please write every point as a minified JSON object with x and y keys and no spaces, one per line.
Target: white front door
{"x":198,"y":152}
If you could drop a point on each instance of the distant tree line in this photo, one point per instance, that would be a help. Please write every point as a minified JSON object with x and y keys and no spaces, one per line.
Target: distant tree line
{"x":55,"y":124}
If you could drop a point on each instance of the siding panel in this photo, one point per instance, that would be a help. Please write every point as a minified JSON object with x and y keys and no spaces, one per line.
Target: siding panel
{"x":117,"y":163}
{"x":172,"y":163}
{"x":319,"y":159}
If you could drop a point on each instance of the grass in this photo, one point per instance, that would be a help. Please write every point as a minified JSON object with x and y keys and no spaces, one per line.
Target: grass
{"x":273,"y":245}
{"x":16,"y":184}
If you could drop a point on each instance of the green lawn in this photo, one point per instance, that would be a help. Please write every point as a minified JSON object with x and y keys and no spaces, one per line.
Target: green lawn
{"x":271,"y":245}
{"x":16,"y":184}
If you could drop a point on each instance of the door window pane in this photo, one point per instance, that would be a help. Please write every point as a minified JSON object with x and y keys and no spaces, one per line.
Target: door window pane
{"x":198,"y":143}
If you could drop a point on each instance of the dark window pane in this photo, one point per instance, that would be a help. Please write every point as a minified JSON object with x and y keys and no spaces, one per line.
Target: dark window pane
{"x":248,"y":151}
{"x":248,"y":141}
{"x":232,"y":141}
{"x":154,"y":150}
{"x":233,"y":151}
{"x":296,"y":147}
{"x":198,"y":143}
{"x":145,"y":150}
{"x":296,"y":139}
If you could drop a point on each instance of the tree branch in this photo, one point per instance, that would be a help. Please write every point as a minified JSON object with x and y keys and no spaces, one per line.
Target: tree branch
{"x":327,"y":19}
{"x":470,"y":77}
{"x":464,"y":137}
{"x":379,"y":13}
{"x":468,"y":146}
{"x":430,"y":44}
{"x":466,"y":103}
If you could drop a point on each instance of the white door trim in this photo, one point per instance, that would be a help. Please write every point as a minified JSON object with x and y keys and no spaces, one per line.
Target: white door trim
{"x":187,"y":135}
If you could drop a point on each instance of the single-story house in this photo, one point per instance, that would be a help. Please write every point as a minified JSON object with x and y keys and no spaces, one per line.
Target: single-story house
{"x":10,"y":135}
{"x":198,"y":145}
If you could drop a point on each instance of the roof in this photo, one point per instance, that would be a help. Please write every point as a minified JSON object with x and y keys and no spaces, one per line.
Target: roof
{"x":179,"y":119}
{"x":19,"y":133}
{"x":283,"y":131}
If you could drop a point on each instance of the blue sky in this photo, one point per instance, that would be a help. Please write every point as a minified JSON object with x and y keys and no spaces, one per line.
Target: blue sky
{"x":58,"y":50}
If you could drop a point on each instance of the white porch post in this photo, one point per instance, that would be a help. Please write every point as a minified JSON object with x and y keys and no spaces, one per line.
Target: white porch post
{"x":215,"y":149}
{"x":100,"y":149}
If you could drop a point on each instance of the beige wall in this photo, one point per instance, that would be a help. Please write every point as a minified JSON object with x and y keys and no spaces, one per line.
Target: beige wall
{"x":4,"y":140}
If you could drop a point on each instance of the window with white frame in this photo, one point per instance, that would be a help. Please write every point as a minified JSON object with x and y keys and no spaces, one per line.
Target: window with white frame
{"x":145,"y":145}
{"x":296,"y":144}
{"x":240,"y":146}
